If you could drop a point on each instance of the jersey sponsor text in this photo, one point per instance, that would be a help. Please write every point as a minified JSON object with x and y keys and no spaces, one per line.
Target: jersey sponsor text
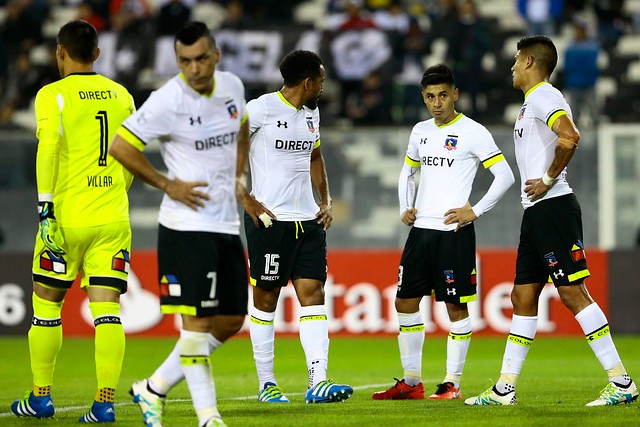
{"x":98,"y":94}
{"x":293,"y":145}
{"x":216,"y":141}
{"x":437,"y":161}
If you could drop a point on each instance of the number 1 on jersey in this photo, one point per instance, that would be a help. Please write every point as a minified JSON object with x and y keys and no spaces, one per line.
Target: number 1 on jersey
{"x":104,"y":137}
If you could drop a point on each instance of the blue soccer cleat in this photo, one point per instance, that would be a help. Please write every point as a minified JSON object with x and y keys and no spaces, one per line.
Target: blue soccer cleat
{"x":328,"y":391}
{"x":33,"y":406}
{"x":272,"y":393}
{"x":100,"y":412}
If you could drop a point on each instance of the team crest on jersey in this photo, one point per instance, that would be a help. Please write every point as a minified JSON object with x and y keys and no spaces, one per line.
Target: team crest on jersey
{"x":310,"y":125}
{"x":120,"y":261}
{"x":233,"y":111}
{"x":451,"y":143}
{"x":551,"y":259}
{"x":52,"y":262}
{"x":577,"y":251}
{"x":448,"y":277}
{"x":522,"y":110}
{"x":170,"y":286}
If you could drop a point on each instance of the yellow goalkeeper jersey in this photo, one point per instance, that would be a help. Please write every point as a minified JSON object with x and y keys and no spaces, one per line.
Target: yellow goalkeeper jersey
{"x":77,"y":117}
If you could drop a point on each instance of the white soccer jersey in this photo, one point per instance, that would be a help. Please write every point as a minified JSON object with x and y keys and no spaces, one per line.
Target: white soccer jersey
{"x":448,"y":157}
{"x":198,"y":138}
{"x":536,"y":142}
{"x":282,"y":139}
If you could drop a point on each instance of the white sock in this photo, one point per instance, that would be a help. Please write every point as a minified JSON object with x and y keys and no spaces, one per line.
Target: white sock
{"x":519,"y":341}
{"x":169,"y":373}
{"x":457,"y":347}
{"x":596,"y":328}
{"x":314,"y":337}
{"x":262,"y":334}
{"x":410,"y":342}
{"x":195,"y":361}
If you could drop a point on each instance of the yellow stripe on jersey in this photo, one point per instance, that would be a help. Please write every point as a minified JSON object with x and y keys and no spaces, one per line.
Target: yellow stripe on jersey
{"x":458,"y":117}
{"x":131,"y":138}
{"x":79,"y":114}
{"x":493,"y":160}
{"x":553,"y":117}
{"x":244,"y":118}
{"x":579,"y":275}
{"x":534,"y":88}
{"x":413,"y":163}
{"x":317,"y":144}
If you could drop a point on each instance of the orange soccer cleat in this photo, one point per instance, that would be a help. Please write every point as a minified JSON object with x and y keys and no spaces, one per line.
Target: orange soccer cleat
{"x":446,"y":391}
{"x":400,"y":391}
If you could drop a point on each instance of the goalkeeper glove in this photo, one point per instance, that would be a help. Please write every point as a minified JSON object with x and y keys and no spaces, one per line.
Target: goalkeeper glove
{"x":49,"y":231}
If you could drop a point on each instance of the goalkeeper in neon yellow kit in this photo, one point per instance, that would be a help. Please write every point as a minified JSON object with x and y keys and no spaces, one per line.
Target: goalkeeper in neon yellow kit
{"x":84,"y":219}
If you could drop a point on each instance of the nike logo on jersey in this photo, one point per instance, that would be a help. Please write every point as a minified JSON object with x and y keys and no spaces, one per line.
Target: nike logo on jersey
{"x":436,"y":161}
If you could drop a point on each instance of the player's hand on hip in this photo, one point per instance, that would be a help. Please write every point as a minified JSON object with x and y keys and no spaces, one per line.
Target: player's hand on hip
{"x":535,"y":188}
{"x":409,"y":216}
{"x":186,"y":192}
{"x":49,"y":232}
{"x":260,"y":215}
{"x":325,"y":215}
{"x":462,"y":216}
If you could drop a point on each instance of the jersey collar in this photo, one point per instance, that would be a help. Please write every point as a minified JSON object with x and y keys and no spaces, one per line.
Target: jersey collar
{"x":208,"y":95}
{"x":283,"y":99}
{"x":458,"y":117}
{"x":534,"y":88}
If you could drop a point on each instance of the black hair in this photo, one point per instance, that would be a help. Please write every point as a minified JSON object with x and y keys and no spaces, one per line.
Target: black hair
{"x":437,"y":74}
{"x":192,"y":32}
{"x":542,"y":49}
{"x":299,"y":65}
{"x":80,"y":39}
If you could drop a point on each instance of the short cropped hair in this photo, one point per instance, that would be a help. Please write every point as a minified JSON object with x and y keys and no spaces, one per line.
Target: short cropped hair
{"x":299,"y":65}
{"x":437,"y":74}
{"x":542,"y":49}
{"x":192,"y":32}
{"x":80,"y":39}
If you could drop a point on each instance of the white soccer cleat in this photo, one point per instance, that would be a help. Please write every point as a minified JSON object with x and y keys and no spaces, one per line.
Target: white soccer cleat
{"x":151,"y":405}
{"x":215,"y":422}
{"x":613,"y":394}
{"x":490,"y":397}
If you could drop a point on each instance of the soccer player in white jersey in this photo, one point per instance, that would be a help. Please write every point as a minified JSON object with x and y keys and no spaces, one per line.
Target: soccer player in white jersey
{"x":551,"y":245}
{"x":439,"y":255}
{"x":199,"y":117}
{"x":286,"y":228}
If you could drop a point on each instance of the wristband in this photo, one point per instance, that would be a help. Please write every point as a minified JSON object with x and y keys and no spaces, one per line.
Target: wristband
{"x":547,"y":180}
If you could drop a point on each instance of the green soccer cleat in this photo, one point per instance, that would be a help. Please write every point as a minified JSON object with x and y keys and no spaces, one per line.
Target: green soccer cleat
{"x":33,"y":406}
{"x":328,"y":391}
{"x":272,"y":393}
{"x":491,"y":397}
{"x":614,"y":394}
{"x":151,"y":405}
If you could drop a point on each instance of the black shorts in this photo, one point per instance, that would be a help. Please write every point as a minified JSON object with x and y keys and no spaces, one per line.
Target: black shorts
{"x":201,"y":273}
{"x":288,"y":250}
{"x":440,"y":263}
{"x":551,"y":243}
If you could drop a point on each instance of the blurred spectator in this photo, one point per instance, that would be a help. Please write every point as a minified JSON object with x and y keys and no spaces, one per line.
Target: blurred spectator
{"x":24,"y":81}
{"x":612,"y":20}
{"x":443,"y":14}
{"x":128,"y":15}
{"x":351,"y":17}
{"x":372,"y":104}
{"x":468,"y":43}
{"x":21,"y":28}
{"x":581,"y":72}
{"x":236,"y":19}
{"x":87,"y":12}
{"x":541,"y":16}
{"x":173,"y":15}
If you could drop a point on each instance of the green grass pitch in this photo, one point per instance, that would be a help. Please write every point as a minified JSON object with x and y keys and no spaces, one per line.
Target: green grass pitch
{"x":559,"y":377}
